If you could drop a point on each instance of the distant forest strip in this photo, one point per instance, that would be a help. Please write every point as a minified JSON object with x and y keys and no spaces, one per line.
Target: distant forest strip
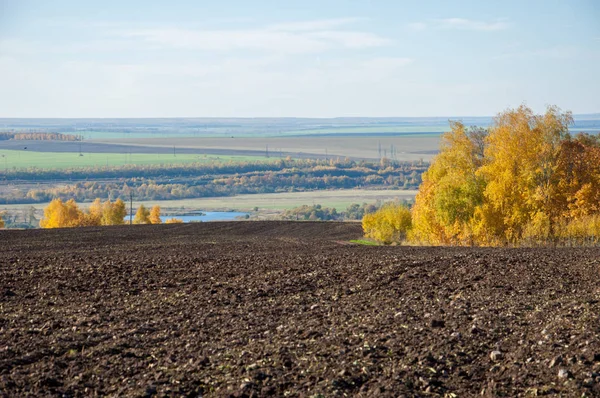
{"x":18,"y":136}
{"x":217,"y":179}
{"x":319,"y":213}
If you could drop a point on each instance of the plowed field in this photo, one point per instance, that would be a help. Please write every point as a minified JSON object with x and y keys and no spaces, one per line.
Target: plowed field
{"x":290,"y":309}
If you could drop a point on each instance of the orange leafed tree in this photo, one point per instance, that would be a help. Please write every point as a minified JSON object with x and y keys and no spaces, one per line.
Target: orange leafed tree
{"x":524,"y":181}
{"x":59,"y":214}
{"x":142,"y":216}
{"x":155,"y":215}
{"x":93,"y":217}
{"x":113,"y":213}
{"x":451,"y":190}
{"x":520,"y":171}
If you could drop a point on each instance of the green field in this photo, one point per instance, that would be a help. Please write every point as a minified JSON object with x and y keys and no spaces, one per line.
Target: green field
{"x":11,"y":159}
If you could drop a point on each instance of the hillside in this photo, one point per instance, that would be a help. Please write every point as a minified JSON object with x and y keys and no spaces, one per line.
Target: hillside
{"x":284,"y":308}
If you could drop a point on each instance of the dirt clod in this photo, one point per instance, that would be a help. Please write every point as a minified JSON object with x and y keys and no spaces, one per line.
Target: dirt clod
{"x":496,"y":356}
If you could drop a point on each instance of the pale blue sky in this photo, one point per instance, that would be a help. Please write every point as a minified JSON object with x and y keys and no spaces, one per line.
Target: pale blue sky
{"x":309,"y":58}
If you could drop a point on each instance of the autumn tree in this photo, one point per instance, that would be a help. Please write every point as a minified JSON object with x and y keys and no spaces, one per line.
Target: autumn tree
{"x":142,"y":216}
{"x":1,"y":220}
{"x":155,"y":215}
{"x":174,"y":221}
{"x":525,"y":181}
{"x":451,"y":189}
{"x":113,"y":213}
{"x":388,"y":224}
{"x":59,"y":214}
{"x":578,"y":177}
{"x":520,"y":171}
{"x":93,"y":217}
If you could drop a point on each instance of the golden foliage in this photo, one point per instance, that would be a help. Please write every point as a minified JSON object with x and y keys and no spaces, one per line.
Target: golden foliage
{"x":526,"y":181}
{"x":59,"y":214}
{"x":155,"y":215}
{"x":113,"y":213}
{"x":1,"y":220}
{"x":388,"y":224}
{"x":521,"y":160}
{"x":142,"y":216}
{"x":174,"y":221}
{"x":451,"y":190}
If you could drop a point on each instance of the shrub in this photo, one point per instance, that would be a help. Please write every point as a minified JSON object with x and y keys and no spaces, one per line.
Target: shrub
{"x":389,"y":224}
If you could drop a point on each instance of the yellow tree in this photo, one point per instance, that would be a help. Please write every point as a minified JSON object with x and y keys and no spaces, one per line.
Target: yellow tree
{"x":93,"y":217}
{"x":113,"y":213}
{"x":60,"y":215}
{"x":53,"y":215}
{"x":390,"y":223}
{"x":451,"y":190}
{"x":520,"y":171}
{"x":119,"y":212}
{"x":142,"y":216}
{"x":155,"y":215}
{"x":1,"y":220}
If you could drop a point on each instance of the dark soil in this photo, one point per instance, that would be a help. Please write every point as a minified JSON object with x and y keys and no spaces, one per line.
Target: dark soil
{"x":290,"y":309}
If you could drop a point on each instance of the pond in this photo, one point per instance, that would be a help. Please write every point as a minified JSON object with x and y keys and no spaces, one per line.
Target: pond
{"x":208,"y":216}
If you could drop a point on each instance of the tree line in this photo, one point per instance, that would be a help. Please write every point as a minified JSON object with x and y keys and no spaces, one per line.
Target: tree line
{"x":4,"y":136}
{"x":525,"y":180}
{"x":317,"y":212}
{"x":59,"y":214}
{"x":215,"y":168}
{"x":262,"y":178}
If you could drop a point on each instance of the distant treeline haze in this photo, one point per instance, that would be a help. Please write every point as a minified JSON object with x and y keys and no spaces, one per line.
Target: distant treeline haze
{"x":197,"y":180}
{"x":40,"y":136}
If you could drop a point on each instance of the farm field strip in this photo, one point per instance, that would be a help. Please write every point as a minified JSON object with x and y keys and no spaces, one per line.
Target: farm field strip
{"x":10,"y":159}
{"x":291,"y":309}
{"x":409,"y":148}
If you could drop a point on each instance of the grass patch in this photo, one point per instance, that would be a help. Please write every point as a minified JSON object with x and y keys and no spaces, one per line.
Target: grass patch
{"x":11,"y":159}
{"x":365,"y":242}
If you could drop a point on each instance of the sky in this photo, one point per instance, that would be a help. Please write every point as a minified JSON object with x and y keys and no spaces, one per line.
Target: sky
{"x":308,"y":58}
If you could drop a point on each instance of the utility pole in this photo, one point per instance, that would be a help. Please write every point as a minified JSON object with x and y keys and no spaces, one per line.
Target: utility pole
{"x":130,"y":207}
{"x":267,"y":151}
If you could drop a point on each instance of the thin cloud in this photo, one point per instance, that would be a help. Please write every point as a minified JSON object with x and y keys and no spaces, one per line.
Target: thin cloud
{"x":468,"y":24}
{"x":322,"y":24}
{"x":388,"y":63}
{"x":461,"y":24}
{"x":417,"y":26}
{"x":557,"y":52}
{"x":289,"y":38}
